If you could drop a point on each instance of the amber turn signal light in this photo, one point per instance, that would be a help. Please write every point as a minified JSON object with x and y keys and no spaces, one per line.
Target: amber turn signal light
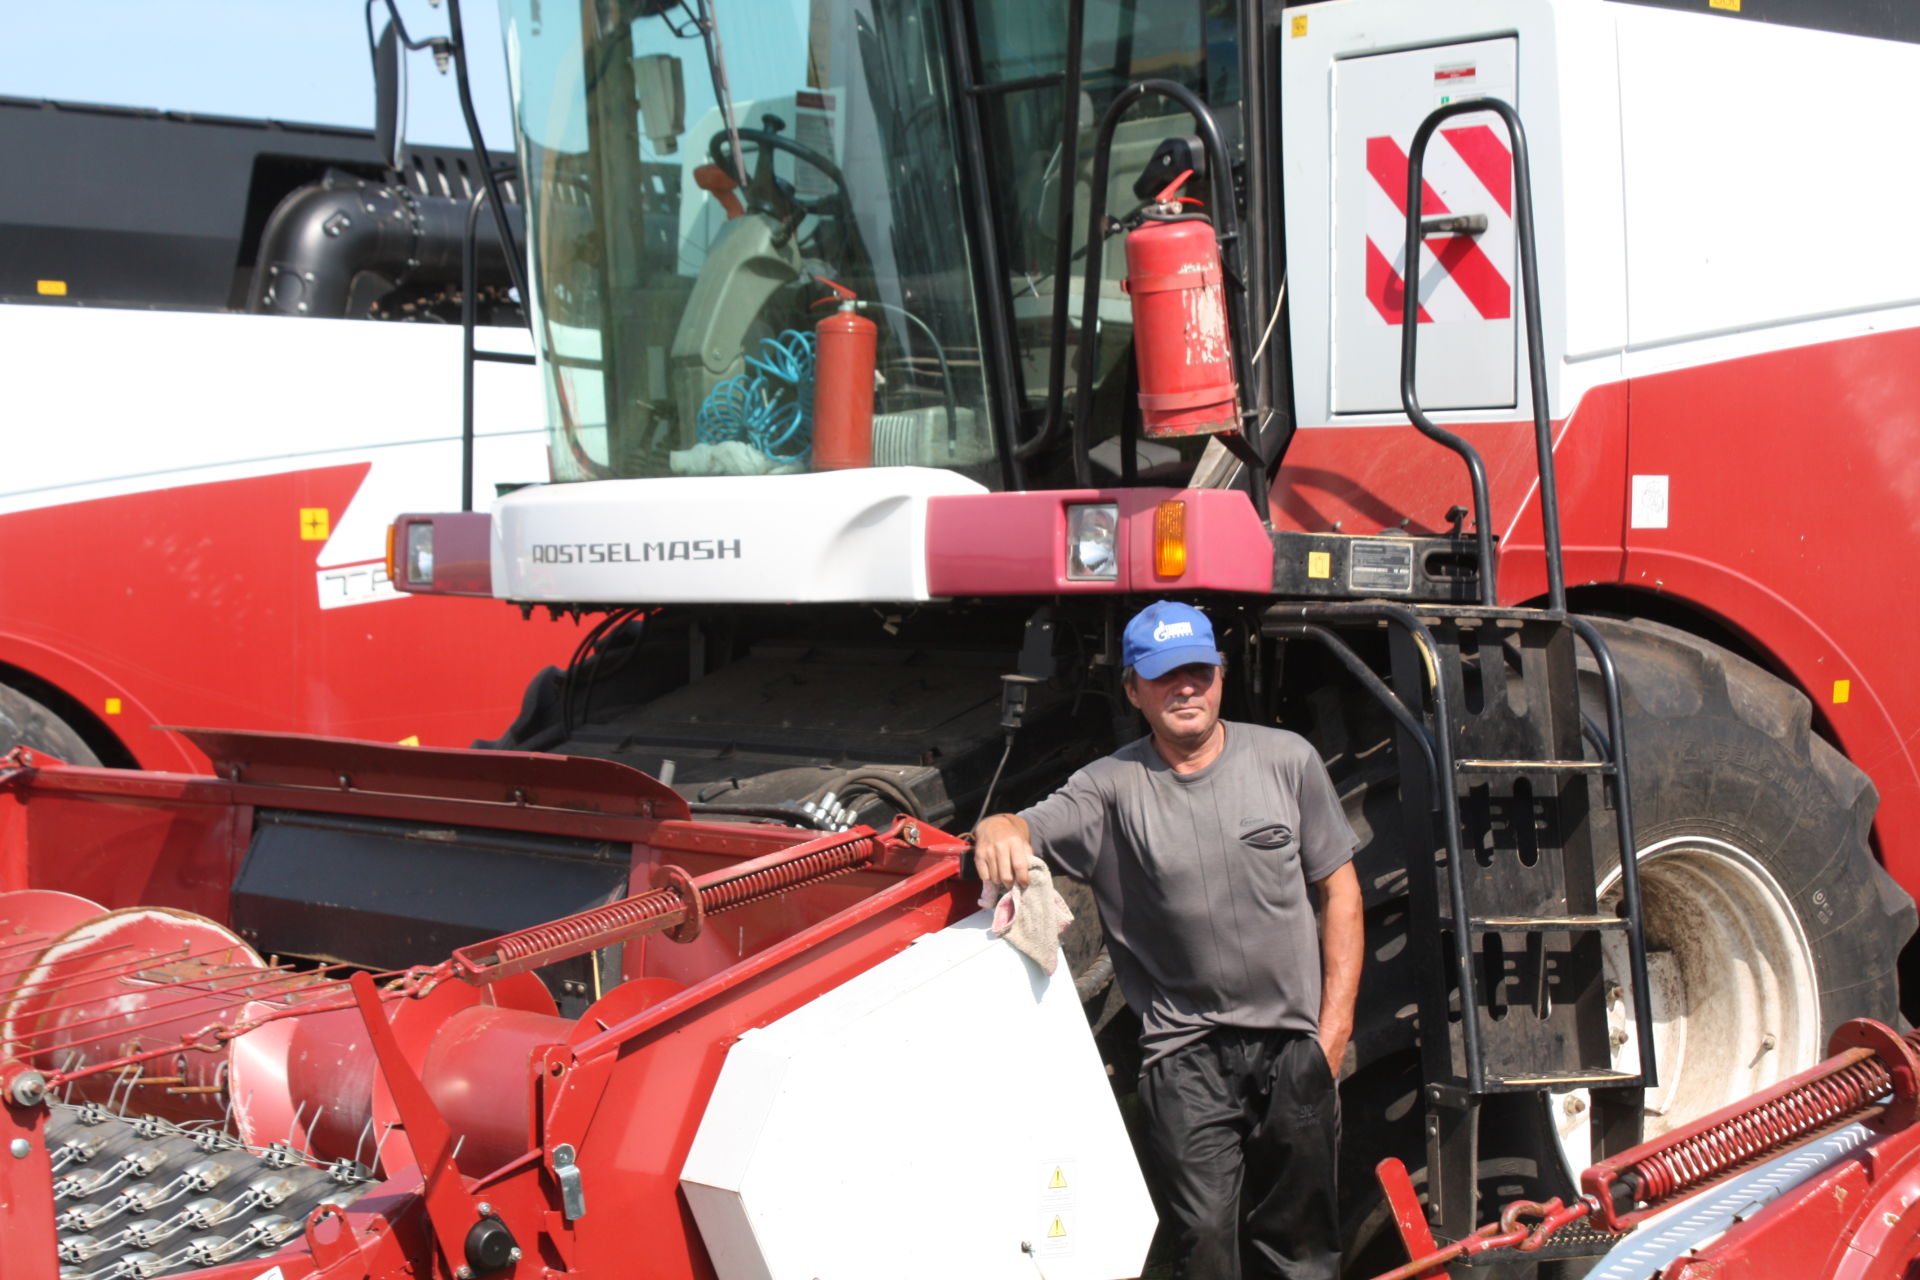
{"x":1170,"y":538}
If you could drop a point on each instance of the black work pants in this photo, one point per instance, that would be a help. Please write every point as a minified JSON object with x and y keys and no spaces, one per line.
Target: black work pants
{"x":1243,"y":1126}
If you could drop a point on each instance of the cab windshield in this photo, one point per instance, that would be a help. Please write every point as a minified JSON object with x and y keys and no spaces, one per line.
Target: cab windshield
{"x":683,"y":254}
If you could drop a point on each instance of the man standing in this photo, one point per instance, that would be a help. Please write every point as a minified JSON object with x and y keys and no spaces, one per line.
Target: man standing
{"x":1201,"y":842}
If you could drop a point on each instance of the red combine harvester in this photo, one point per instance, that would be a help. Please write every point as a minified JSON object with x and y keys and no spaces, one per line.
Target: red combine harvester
{"x":1406,"y":290}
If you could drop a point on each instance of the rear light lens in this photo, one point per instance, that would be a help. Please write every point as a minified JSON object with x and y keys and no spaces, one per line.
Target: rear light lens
{"x":1093,"y":538}
{"x":420,"y":554}
{"x":1170,"y":538}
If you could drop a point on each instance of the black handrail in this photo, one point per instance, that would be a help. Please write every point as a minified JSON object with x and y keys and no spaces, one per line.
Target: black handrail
{"x":1063,"y":236}
{"x":1629,"y":847}
{"x":988,"y":261}
{"x":1440,"y":765}
{"x":469,"y":352}
{"x":495,"y":197}
{"x":1536,"y":354}
{"x":1226,"y":222}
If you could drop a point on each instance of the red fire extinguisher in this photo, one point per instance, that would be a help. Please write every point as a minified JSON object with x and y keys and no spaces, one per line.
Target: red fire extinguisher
{"x":1181,"y":341}
{"x":843,"y":385}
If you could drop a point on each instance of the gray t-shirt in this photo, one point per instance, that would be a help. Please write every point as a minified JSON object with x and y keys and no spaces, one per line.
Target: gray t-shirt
{"x":1202,"y":879}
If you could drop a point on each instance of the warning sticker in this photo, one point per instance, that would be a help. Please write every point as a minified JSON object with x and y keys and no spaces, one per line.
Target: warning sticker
{"x":1054,"y":1235}
{"x":1385,"y":566}
{"x":1455,"y":80}
{"x":813,"y":129}
{"x":1059,"y":1184}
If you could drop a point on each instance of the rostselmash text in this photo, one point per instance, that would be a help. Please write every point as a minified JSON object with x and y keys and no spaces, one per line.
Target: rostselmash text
{"x":635,"y":552}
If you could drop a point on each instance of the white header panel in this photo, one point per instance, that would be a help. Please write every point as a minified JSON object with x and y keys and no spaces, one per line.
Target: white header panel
{"x":827,"y":536}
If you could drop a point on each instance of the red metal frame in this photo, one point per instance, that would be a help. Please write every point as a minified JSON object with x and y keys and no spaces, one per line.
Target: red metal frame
{"x":623,"y":1088}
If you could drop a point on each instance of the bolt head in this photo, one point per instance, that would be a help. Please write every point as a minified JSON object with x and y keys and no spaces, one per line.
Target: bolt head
{"x":513,"y":1254}
{"x":20,"y":1148}
{"x":464,"y":1273}
{"x":484,"y":1209}
{"x":29,"y":1088}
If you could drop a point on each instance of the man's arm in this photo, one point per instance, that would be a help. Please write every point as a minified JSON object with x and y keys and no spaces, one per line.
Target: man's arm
{"x":1342,"y":949}
{"x":1002,"y":847}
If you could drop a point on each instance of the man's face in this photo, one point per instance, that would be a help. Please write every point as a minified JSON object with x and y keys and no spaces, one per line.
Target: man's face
{"x":1181,"y":706}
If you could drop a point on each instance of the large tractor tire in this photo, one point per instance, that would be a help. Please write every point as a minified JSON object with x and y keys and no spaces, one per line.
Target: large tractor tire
{"x":1768,"y":920}
{"x":26,"y":723}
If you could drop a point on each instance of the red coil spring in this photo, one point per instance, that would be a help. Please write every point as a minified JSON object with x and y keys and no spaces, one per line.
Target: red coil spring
{"x":724,"y":894}
{"x":657,"y":908}
{"x":1738,"y":1139}
{"x":578,"y":930}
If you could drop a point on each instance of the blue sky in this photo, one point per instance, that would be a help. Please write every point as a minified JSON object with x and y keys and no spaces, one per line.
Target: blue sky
{"x":295,"y":60}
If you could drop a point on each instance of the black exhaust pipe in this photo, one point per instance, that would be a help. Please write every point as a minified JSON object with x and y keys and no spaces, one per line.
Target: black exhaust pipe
{"x":328,"y":232}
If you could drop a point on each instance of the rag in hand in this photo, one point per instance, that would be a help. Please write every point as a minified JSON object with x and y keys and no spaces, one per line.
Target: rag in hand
{"x":1033,"y":918}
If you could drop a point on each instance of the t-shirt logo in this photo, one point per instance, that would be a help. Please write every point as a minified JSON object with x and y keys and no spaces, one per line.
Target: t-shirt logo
{"x":1165,"y":631}
{"x":1267,"y":835}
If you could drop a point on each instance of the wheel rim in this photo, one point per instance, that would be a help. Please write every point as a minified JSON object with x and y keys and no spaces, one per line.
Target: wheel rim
{"x":1734,"y":998}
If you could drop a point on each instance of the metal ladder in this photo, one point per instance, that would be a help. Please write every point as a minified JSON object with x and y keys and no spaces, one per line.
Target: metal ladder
{"x":1504,"y":783}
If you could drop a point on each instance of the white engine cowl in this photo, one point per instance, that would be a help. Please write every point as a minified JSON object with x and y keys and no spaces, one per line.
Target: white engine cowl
{"x":809,"y":538}
{"x":944,"y":1114}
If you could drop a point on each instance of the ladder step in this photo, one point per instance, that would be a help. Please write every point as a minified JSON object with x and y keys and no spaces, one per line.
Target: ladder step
{"x":1533,"y":766}
{"x":1546,"y":924}
{"x":1521,"y":1080}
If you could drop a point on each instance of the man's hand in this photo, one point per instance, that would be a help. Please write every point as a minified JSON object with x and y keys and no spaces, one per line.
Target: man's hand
{"x":1002,"y":847}
{"x":1333,"y":1043}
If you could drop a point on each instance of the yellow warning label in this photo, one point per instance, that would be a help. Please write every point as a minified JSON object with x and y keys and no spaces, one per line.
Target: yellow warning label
{"x":1731,"y":6}
{"x":1057,"y":1230}
{"x":51,"y":288}
{"x":411,"y":740}
{"x":1319,"y":564}
{"x":1059,"y":1179}
{"x":113,"y":706}
{"x":314,"y":524}
{"x":1842,"y":690}
{"x":1299,"y":25}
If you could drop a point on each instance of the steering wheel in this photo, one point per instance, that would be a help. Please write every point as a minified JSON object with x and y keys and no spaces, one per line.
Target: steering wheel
{"x":763,"y":190}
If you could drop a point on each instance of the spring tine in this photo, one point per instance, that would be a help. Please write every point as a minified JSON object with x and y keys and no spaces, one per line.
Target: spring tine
{"x":366,"y":1131}
{"x":380,"y":1145}
{"x":35,"y":963}
{"x":191,"y":990}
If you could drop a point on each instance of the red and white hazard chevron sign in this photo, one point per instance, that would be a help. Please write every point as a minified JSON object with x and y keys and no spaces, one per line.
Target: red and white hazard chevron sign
{"x":1473,"y":165}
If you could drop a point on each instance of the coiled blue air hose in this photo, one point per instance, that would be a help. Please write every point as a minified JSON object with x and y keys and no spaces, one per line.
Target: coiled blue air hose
{"x":771,"y":405}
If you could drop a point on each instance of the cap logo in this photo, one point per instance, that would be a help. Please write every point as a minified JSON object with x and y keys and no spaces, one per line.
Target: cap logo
{"x":1166,"y":631}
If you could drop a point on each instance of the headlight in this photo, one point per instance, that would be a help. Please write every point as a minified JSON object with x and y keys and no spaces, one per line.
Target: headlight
{"x":420,"y":554}
{"x":1093,"y":534}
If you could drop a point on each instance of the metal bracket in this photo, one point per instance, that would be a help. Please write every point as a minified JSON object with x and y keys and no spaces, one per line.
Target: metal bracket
{"x":573,"y":1193}
{"x":1458,"y":224}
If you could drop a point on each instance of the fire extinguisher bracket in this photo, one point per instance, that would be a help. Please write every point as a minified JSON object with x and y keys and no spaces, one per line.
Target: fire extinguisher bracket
{"x":1177,"y":280}
{"x":1199,"y":397}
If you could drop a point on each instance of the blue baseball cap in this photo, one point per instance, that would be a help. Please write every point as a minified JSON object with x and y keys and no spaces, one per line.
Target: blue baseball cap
{"x":1165,"y":635}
